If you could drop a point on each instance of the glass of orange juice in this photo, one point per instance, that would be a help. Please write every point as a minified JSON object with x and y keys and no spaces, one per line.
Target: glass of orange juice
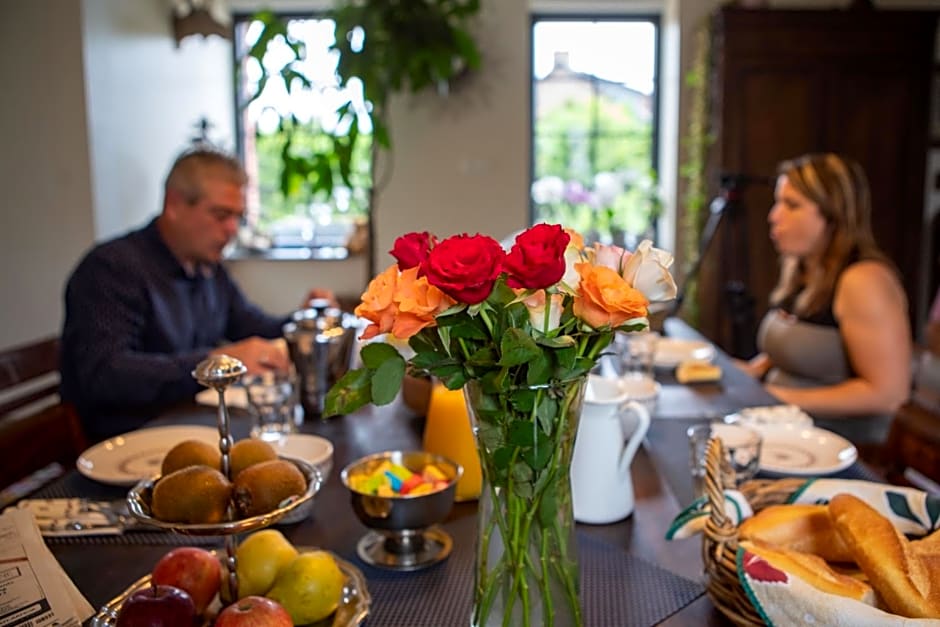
{"x":447,"y":432}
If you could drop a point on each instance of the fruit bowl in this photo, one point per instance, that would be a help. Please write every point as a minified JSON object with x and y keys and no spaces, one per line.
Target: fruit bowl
{"x":404,"y":532}
{"x":352,"y":611}
{"x":139,"y":499}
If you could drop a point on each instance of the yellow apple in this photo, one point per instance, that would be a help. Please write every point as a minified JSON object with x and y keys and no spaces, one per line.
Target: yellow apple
{"x":310,"y":587}
{"x":259,"y":559}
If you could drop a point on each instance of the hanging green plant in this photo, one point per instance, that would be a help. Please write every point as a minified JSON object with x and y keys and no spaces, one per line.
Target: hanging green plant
{"x":406,"y":46}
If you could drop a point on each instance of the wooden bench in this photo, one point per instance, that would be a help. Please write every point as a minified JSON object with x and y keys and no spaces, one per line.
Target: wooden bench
{"x":36,"y":428}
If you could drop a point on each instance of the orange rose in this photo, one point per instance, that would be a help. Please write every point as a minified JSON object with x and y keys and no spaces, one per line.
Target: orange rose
{"x":418,"y":303}
{"x":378,"y":305}
{"x":605,"y":298}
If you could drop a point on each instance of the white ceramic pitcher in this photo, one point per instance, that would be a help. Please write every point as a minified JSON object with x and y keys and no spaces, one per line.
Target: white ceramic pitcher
{"x":609,"y":433}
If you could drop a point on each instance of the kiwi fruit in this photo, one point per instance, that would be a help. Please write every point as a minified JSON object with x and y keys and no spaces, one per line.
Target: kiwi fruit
{"x":249,"y":452}
{"x":260,"y":488}
{"x":191,"y":453}
{"x":194,"y":495}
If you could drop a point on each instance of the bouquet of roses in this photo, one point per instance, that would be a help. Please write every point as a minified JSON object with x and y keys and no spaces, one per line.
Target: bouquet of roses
{"x":519,"y":331}
{"x":470,"y":311}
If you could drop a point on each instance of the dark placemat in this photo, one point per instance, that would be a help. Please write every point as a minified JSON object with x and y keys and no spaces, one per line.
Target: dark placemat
{"x":74,"y":485}
{"x":617,"y":589}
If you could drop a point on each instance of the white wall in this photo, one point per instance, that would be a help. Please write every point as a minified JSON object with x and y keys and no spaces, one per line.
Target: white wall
{"x":145,"y":97}
{"x":46,"y":204}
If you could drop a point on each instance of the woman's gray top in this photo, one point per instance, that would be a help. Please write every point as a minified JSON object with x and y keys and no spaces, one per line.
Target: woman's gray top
{"x":810,"y":354}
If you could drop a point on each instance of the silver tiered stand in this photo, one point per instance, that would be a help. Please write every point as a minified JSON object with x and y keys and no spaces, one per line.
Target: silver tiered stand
{"x":218,"y":372}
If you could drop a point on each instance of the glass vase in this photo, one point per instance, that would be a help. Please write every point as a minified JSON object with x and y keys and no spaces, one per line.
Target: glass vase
{"x":526,"y":571}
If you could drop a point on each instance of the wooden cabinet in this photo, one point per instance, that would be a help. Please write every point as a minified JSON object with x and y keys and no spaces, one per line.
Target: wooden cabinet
{"x":787,"y":82}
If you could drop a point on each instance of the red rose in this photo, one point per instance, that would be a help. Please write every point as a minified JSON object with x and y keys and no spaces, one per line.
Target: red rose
{"x":465,"y":267}
{"x":537,"y":259}
{"x":412,"y":249}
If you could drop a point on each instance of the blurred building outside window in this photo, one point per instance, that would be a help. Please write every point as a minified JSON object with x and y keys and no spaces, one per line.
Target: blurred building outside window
{"x":594,"y":118}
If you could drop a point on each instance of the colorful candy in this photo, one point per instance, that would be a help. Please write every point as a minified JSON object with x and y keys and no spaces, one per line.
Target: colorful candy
{"x":390,"y":479}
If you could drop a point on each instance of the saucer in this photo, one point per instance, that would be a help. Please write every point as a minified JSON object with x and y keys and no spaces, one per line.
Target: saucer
{"x":670,"y":352}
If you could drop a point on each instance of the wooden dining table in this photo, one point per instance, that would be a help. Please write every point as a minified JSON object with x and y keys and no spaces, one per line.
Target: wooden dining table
{"x":662,"y":485}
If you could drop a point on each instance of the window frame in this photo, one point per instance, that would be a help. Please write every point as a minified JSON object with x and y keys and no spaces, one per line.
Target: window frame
{"x":655,"y":19}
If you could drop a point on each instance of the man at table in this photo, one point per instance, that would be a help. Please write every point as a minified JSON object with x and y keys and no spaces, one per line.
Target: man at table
{"x":143,"y":309}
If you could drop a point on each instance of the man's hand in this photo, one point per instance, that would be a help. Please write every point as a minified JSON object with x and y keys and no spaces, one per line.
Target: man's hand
{"x":258,"y":354}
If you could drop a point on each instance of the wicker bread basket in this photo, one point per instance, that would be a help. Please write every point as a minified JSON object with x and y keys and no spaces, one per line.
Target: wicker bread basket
{"x":720,"y":539}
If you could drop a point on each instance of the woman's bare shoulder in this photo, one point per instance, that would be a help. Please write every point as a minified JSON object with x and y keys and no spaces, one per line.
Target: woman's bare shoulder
{"x":869,"y":283}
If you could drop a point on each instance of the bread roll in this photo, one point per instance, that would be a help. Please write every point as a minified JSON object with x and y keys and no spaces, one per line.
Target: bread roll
{"x":903,"y":578}
{"x":813,"y":570}
{"x":803,"y":528}
{"x":696,"y":371}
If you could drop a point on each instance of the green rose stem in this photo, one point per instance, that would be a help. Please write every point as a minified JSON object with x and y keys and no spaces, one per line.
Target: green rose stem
{"x":516,"y":517}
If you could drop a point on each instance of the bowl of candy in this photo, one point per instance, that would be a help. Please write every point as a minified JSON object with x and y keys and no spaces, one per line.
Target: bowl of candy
{"x":402,"y":496}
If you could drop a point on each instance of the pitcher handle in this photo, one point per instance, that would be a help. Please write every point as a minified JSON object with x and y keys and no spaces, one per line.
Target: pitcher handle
{"x":643,"y":425}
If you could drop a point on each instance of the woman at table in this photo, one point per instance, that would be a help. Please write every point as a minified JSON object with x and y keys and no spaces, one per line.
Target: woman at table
{"x":836,"y":341}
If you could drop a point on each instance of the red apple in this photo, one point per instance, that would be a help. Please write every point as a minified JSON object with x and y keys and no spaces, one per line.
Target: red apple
{"x":195,"y":570}
{"x":254,"y":611}
{"x":157,"y":606}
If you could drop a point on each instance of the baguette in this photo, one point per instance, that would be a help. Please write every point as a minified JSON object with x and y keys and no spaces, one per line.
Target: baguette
{"x":813,"y":570}
{"x":798,"y":527}
{"x":902,"y":578}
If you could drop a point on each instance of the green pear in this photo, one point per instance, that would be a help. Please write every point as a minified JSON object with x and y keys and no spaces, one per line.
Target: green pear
{"x":310,"y":587}
{"x":259,"y":559}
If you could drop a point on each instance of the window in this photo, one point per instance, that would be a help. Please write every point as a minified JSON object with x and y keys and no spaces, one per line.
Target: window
{"x":300,"y":123}
{"x":594,"y":124}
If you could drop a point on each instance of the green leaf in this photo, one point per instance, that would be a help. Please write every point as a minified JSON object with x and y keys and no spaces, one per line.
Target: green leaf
{"x":351,"y":392}
{"x":485,"y":356}
{"x":521,"y":472}
{"x":537,"y":457}
{"x":516,"y":347}
{"x":523,"y":400}
{"x":386,"y":382}
{"x":566,"y":357}
{"x":548,"y":508}
{"x":540,"y":369}
{"x":469,"y":330}
{"x":547,"y":413}
{"x":521,"y":433}
{"x":562,"y":341}
{"x":455,"y":380}
{"x":376,"y":353}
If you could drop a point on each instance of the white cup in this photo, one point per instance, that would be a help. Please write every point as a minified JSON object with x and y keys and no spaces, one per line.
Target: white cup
{"x":609,"y":433}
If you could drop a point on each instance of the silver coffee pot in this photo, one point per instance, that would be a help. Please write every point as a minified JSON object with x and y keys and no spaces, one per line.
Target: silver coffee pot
{"x":320,"y":339}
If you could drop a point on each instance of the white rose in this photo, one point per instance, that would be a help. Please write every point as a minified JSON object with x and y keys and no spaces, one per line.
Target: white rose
{"x":536,"y":306}
{"x":648,"y":271}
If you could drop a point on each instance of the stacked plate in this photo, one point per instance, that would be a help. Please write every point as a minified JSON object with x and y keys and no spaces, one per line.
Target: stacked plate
{"x":792,"y":446}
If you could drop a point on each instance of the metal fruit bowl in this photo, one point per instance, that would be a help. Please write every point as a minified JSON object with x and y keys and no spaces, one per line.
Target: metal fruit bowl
{"x":139,"y":498}
{"x":353,"y":607}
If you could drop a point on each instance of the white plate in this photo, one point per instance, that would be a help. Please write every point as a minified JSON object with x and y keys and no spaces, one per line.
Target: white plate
{"x":804,"y":451}
{"x":772,"y":416}
{"x":127,"y":458}
{"x":670,"y":352}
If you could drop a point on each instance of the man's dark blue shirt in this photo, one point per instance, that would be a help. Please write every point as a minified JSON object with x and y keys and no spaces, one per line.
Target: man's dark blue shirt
{"x":137,"y":323}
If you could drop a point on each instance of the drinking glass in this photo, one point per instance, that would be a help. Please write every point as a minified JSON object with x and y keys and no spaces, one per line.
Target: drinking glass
{"x":741,"y":444}
{"x":272,"y":402}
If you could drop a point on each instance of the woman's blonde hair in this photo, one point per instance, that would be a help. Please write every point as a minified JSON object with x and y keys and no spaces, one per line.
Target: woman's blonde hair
{"x":839,"y":187}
